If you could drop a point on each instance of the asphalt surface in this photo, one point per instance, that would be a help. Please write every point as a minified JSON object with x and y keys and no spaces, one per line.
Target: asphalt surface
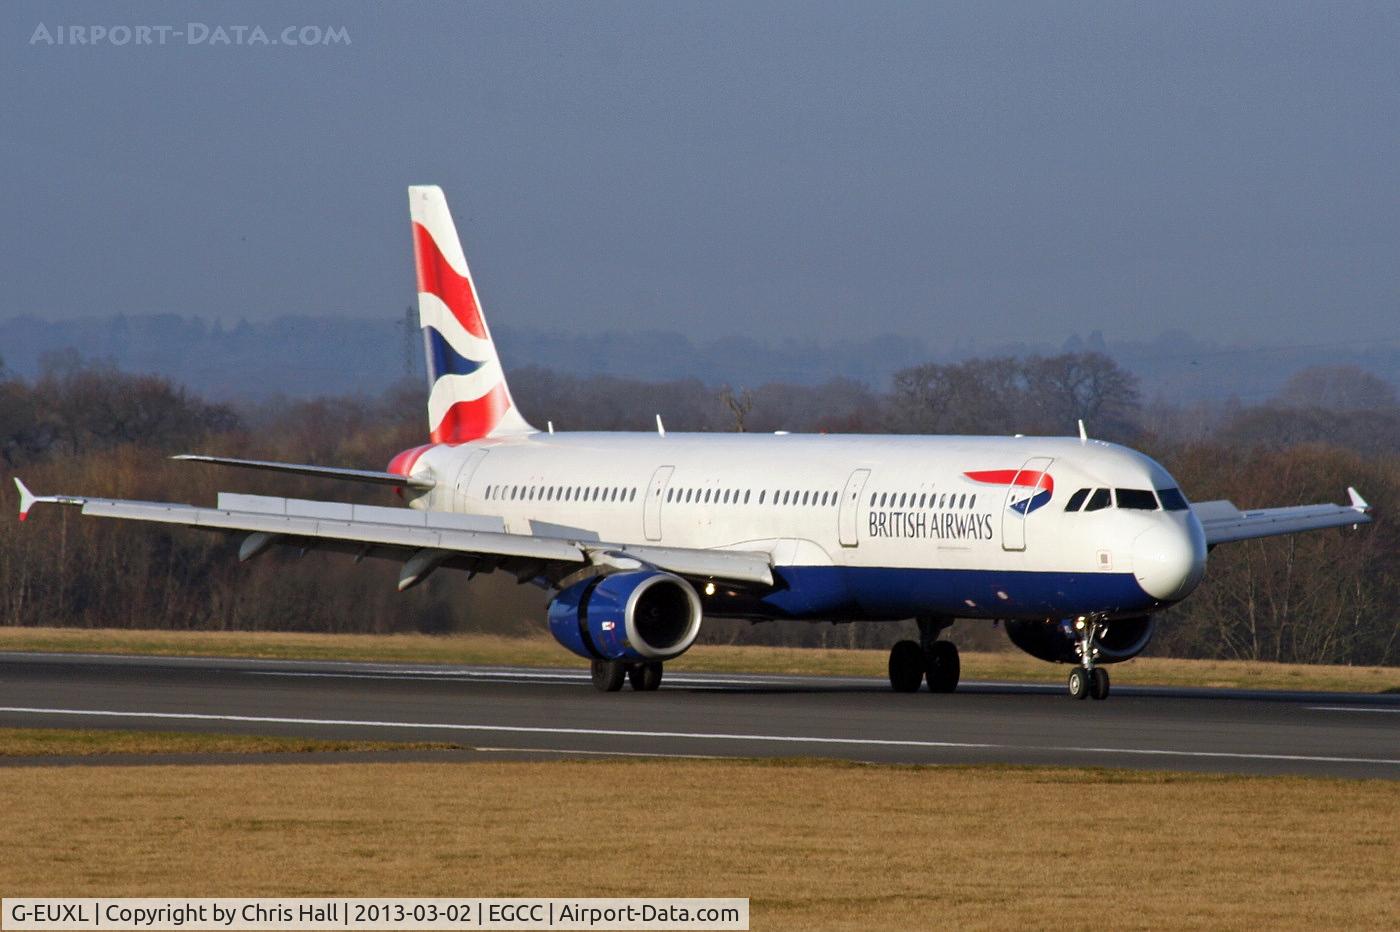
{"x":535,"y":714}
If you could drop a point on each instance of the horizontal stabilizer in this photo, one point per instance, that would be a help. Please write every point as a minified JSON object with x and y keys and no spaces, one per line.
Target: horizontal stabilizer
{"x":322,"y":472}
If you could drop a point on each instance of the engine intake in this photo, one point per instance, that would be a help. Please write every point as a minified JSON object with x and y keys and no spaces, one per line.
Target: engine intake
{"x":1120,"y":639}
{"x":637,"y":616}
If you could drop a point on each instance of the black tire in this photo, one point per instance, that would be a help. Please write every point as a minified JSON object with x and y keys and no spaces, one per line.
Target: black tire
{"x":906,"y":667}
{"x":1098,"y":683}
{"x":645,"y":677}
{"x":608,"y":675}
{"x":943,"y":667}
{"x":1079,"y":683}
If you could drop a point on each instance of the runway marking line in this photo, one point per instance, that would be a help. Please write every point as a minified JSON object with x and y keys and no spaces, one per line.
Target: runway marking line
{"x":688,"y":735}
{"x":1349,"y":708}
{"x":688,"y":680}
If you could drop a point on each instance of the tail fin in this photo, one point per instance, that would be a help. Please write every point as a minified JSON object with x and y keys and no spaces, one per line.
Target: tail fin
{"x":469,"y":399}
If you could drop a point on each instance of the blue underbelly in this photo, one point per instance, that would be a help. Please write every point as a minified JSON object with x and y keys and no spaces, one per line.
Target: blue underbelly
{"x":876,"y":593}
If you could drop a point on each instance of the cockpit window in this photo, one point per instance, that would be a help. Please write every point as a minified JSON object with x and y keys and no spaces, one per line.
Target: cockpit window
{"x":1172,"y":499}
{"x":1137,"y":499}
{"x":1076,"y":500}
{"x":1099,"y":500}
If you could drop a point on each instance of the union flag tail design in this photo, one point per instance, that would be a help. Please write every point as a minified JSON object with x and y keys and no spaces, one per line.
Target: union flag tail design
{"x":469,"y":399}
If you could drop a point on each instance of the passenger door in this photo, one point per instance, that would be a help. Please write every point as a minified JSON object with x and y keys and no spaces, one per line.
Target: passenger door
{"x":1023,"y":498}
{"x":850,"y":508}
{"x":464,"y":477}
{"x":656,"y":497}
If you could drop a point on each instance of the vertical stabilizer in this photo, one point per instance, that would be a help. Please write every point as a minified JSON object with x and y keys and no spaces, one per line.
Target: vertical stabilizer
{"x":469,"y":399}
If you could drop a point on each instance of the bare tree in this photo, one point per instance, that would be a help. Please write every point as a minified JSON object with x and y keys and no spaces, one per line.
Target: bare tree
{"x":1338,"y":388}
{"x":739,"y":406}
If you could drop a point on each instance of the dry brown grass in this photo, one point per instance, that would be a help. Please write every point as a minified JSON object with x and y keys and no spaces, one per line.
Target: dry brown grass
{"x":815,"y":845}
{"x":45,"y":742}
{"x":542,"y":652}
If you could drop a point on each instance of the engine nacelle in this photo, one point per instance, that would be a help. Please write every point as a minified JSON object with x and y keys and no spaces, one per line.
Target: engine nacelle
{"x":637,"y":616}
{"x":1121,"y":639}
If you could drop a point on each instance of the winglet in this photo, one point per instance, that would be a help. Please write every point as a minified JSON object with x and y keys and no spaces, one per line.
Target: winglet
{"x":1357,"y":501}
{"x":26,"y":499}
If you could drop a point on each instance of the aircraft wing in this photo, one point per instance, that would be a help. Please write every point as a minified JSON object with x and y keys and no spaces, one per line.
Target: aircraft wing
{"x":1224,"y":523}
{"x":424,"y":541}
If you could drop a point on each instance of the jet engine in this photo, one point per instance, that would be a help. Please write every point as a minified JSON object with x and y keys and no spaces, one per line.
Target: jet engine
{"x":636,"y":616}
{"x":1117,"y":640}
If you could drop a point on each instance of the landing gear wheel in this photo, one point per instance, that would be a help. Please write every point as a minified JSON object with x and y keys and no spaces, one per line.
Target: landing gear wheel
{"x":608,"y":675}
{"x":1098,"y":683}
{"x":942,"y":666}
{"x":645,"y":677}
{"x":1079,"y":683}
{"x":906,"y":667}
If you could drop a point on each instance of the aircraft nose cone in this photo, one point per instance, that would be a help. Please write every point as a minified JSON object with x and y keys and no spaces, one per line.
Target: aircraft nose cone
{"x":1169,"y":561}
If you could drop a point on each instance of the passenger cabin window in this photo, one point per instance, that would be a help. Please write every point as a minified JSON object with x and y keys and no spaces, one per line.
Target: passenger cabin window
{"x":1137,"y":499}
{"x":1099,"y":500}
{"x":1076,"y":500}
{"x":1172,"y":499}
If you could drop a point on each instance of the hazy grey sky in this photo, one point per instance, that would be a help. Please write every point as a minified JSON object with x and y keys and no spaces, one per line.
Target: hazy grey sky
{"x":970,"y":171}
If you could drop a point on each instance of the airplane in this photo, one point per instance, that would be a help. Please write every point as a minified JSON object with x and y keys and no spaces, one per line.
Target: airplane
{"x":1072,"y":544}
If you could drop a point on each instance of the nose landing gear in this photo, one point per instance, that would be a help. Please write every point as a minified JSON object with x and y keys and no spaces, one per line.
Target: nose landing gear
{"x":1088,"y":680}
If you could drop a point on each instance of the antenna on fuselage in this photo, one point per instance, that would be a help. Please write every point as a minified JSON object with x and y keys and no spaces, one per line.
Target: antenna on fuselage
{"x":549,"y":425}
{"x":660,"y":427}
{"x":1083,"y":434}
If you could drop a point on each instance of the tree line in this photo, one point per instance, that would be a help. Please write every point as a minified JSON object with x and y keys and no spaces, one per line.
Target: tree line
{"x":1326,"y":597}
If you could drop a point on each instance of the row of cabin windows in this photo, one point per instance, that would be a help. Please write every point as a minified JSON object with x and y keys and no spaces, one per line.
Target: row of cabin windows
{"x":560,"y":493}
{"x":1135,"y":499}
{"x":922,"y":500}
{"x":807,"y":497}
{"x":796,"y":497}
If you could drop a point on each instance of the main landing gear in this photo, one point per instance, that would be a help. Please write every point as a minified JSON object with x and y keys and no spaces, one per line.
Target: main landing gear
{"x":937,"y":661}
{"x":1088,"y":680}
{"x":608,"y":675}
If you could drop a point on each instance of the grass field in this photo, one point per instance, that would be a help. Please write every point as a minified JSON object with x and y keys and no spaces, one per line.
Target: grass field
{"x":815,"y":845}
{"x":39,"y":742}
{"x":542,"y":652}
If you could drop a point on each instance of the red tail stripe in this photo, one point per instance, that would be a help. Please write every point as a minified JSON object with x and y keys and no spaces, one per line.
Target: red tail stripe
{"x":437,"y":276}
{"x":472,"y":420}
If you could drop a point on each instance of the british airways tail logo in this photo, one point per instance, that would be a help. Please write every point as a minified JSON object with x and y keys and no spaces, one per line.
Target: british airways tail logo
{"x":468,"y":398}
{"x":1039,"y":486}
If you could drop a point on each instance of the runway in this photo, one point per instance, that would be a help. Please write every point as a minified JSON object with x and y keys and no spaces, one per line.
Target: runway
{"x":535,"y":713}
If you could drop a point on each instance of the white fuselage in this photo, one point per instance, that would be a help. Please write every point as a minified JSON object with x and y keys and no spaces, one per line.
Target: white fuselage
{"x":857,"y":526}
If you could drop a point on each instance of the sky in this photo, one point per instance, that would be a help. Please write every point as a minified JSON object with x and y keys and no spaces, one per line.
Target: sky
{"x":965,"y":173}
